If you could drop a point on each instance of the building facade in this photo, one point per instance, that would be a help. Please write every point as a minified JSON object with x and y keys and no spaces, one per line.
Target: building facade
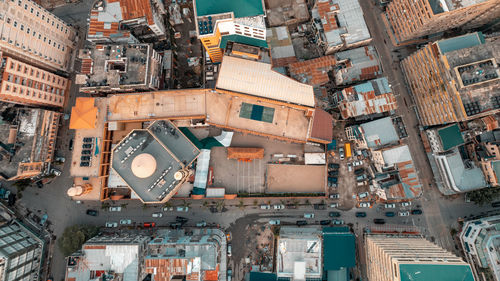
{"x":455,"y":79}
{"x":23,"y":83}
{"x":411,"y":257}
{"x":411,"y":19}
{"x":21,"y":253}
{"x":34,"y":35}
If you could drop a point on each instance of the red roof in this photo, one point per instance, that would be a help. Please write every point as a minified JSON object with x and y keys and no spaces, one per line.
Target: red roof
{"x":322,"y":128}
{"x":313,"y":72}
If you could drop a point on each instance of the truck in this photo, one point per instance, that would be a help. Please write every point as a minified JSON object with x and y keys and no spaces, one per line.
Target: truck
{"x":347,"y":148}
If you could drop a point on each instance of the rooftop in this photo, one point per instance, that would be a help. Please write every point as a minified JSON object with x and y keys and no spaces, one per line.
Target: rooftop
{"x":322,"y":127}
{"x":460,"y":42}
{"x":374,"y":96}
{"x":429,"y":272}
{"x":286,"y":12}
{"x":358,"y":65}
{"x":450,"y":136}
{"x":299,"y":253}
{"x":398,"y":154}
{"x":280,"y":43}
{"x":240,"y":8}
{"x":465,"y":178}
{"x":441,"y":6}
{"x":258,"y":79}
{"x":313,"y":72}
{"x":380,"y":132}
{"x":149,"y":160}
{"x":339,"y":248}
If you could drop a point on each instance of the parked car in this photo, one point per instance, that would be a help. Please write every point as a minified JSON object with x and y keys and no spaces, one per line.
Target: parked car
{"x":416,"y":212}
{"x":166,"y":209}
{"x":111,"y":224}
{"x":360,"y":214}
{"x":265,"y":207}
{"x":274,"y":222}
{"x":404,"y":214}
{"x":334,"y":205}
{"x":349,"y":167}
{"x":299,"y":223}
{"x":319,"y":206}
{"x":333,"y":179}
{"x":359,"y":171}
{"x":291,"y":206}
{"x":341,"y":153}
{"x":405,"y":204}
{"x":333,"y":173}
{"x":390,"y":206}
{"x":309,"y":215}
{"x":332,"y":184}
{"x":115,"y":209}
{"x":157,"y":215}
{"x":324,"y":222}
{"x":355,"y":164}
{"x":70,"y":146}
{"x":6,"y":195}
{"x":181,"y":219}
{"x":337,"y":222}
{"x":279,"y":207}
{"x":229,"y":274}
{"x":364,"y":205}
{"x":361,"y":178}
{"x":334,"y":214}
{"x":378,"y":221}
{"x":125,"y":222}
{"x":390,"y":214}
{"x":182,"y":209}
{"x":55,"y":172}
{"x":44,"y":219}
{"x":363,"y":195}
{"x":91,"y":212}
{"x":149,"y":224}
{"x":229,"y":250}
{"x":201,"y":224}
{"x":334,"y":196}
{"x":333,"y":166}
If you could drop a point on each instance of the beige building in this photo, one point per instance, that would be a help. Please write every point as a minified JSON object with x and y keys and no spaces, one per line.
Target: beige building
{"x":411,"y":19}
{"x":23,"y":83}
{"x":411,"y":257}
{"x":31,"y":33}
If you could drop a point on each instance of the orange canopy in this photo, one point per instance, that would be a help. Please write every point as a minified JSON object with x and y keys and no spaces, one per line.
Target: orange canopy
{"x":83,"y":114}
{"x":245,"y":153}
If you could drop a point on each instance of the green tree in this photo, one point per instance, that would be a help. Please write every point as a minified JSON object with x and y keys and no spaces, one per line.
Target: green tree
{"x":105,"y":205}
{"x":74,"y":236}
{"x":255,"y":202}
{"x":241,"y":205}
{"x":22,"y":184}
{"x":485,"y":195}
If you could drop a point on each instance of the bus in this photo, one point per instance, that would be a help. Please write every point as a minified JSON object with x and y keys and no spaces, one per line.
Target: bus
{"x":347,"y":147}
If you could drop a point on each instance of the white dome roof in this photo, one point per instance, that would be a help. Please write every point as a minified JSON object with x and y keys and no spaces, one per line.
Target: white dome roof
{"x":143,"y":165}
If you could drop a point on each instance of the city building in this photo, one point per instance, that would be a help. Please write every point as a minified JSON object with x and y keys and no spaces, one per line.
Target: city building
{"x":314,"y":72}
{"x":21,"y":253}
{"x":455,"y":79}
{"x":27,"y":142}
{"x":376,"y":134}
{"x":286,"y":12}
{"x":391,"y":257}
{"x":280,"y":45}
{"x":479,"y":240}
{"x":357,"y":65}
{"x":299,"y":253}
{"x":339,"y":24}
{"x":407,"y":20}
{"x":32,"y":34}
{"x":126,"y":21}
{"x":367,"y":99}
{"x":488,"y":156}
{"x":179,"y":255}
{"x":339,"y":253}
{"x":25,"y":84}
{"x":109,"y":257}
{"x":119,"y":68}
{"x":220,"y":22}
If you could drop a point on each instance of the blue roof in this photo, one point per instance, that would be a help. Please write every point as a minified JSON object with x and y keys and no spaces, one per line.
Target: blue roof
{"x":432,"y":272}
{"x":243,"y":40}
{"x":364,"y":88}
{"x":339,"y":248}
{"x":380,"y":132}
{"x":241,"y":8}
{"x":261,"y":276}
{"x":450,"y":136}
{"x":461,"y":42}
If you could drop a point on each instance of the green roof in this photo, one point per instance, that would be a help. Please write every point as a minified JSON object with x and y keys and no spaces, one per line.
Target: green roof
{"x":261,"y":276}
{"x":243,"y":40}
{"x":339,"y":248}
{"x":431,"y":272}
{"x":450,"y":136}
{"x":241,"y":8}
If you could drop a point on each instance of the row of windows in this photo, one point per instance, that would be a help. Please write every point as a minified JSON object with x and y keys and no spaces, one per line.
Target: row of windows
{"x":37,"y":73}
{"x":58,"y":26}
{"x":28,"y":31}
{"x":33,"y":51}
{"x":34,"y":84}
{"x":32,"y":93}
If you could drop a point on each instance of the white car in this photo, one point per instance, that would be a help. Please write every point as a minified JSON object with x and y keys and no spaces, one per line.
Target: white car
{"x":265,"y":207}
{"x":157,"y":215}
{"x":309,"y":216}
{"x":404,"y":214}
{"x":363,"y":195}
{"x":229,"y":250}
{"x":201,"y":224}
{"x":111,"y":224}
{"x":390,"y":206}
{"x":334,"y":196}
{"x":125,"y":222}
{"x":166,"y":209}
{"x":275,"y":222}
{"x":405,"y":204}
{"x":349,"y":167}
{"x":115,"y":209}
{"x":355,"y":164}
{"x":182,"y":209}
{"x":364,"y":205}
{"x":56,"y":172}
{"x":279,"y":207}
{"x":334,"y":205}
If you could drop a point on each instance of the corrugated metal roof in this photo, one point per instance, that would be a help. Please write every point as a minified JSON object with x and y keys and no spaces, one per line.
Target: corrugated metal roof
{"x":258,"y":79}
{"x":313,"y":72}
{"x":396,"y":155}
{"x":201,"y":175}
{"x":379,"y":132}
{"x":337,"y":241}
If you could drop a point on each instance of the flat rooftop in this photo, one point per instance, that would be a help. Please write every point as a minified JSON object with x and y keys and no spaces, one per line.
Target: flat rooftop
{"x":240,"y":8}
{"x":286,"y":12}
{"x":299,"y":252}
{"x":358,"y":64}
{"x":379,"y":132}
{"x":283,"y":178}
{"x":429,"y":272}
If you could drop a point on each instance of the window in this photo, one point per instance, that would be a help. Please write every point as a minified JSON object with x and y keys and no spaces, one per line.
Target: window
{"x":22,"y":27}
{"x":44,"y":39}
{"x":34,"y":33}
{"x":19,"y":2}
{"x":26,"y":6}
{"x":37,"y":13}
{"x":57,"y":26}
{"x":43,"y":17}
{"x":39,"y":36}
{"x":31,"y":10}
{"x":52,"y":23}
{"x":8,"y":20}
{"x":28,"y":30}
{"x":15,"y":23}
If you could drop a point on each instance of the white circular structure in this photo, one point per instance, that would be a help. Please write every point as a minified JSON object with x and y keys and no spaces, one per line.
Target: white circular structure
{"x":178,"y":175}
{"x":75,"y":191}
{"x":143,"y":165}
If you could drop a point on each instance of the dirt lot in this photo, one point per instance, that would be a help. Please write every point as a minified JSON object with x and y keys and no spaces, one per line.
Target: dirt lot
{"x":295,"y":178}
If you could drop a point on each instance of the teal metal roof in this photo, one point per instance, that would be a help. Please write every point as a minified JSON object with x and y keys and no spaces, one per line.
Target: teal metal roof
{"x":261,"y":276}
{"x":243,"y":40}
{"x":461,"y":42}
{"x":432,"y":272}
{"x":450,"y":136}
{"x":241,"y":8}
{"x":496,"y":167}
{"x":339,"y":248}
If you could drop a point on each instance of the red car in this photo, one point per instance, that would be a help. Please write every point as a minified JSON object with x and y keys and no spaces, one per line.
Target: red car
{"x":149,"y":224}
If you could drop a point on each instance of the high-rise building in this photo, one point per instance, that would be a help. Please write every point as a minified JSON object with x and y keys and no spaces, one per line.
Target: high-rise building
{"x":406,"y":20}
{"x":20,"y":253}
{"x":33,"y":34}
{"x":220,"y":22}
{"x":455,"y":79}
{"x":411,"y":257}
{"x":23,"y":83}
